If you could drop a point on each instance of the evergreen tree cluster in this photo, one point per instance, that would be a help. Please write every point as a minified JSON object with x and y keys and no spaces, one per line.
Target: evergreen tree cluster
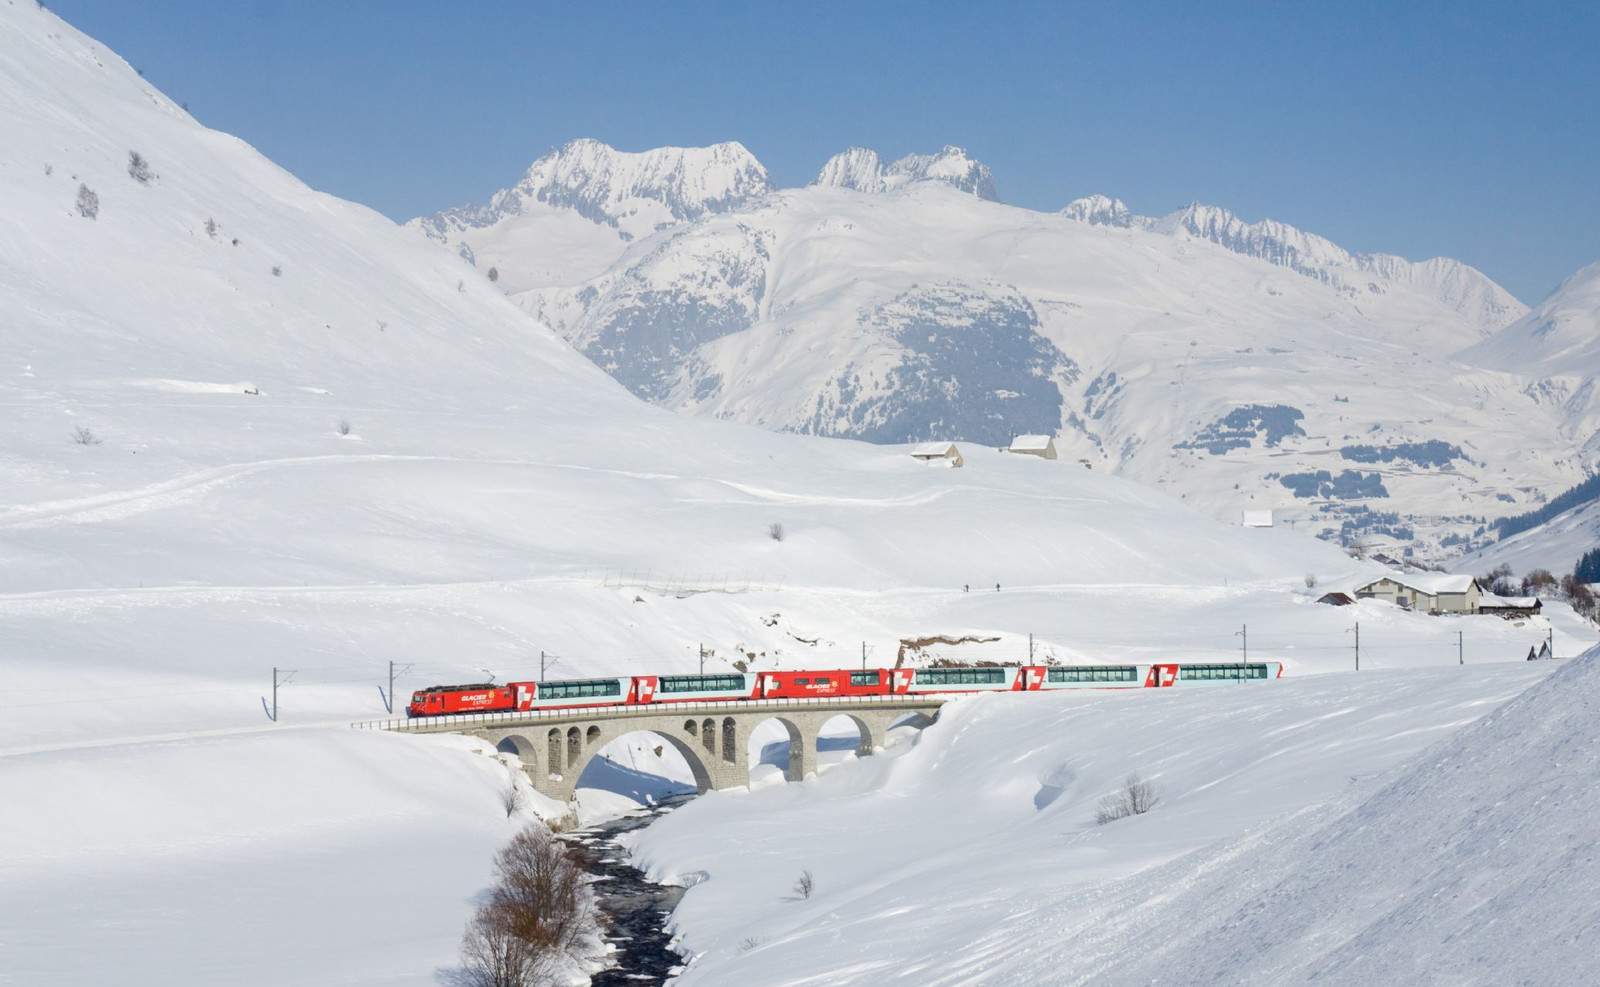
{"x":1588,"y":568}
{"x":1583,"y":493}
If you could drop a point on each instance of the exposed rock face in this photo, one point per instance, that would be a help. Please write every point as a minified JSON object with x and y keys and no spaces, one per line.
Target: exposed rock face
{"x":861,"y":169}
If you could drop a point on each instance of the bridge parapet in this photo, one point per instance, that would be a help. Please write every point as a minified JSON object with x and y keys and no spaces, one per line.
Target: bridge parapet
{"x":713,"y":737}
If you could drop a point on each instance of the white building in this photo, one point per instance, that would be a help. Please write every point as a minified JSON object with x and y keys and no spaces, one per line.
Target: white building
{"x":1435,"y":592}
{"x":1043,"y":446}
{"x":944,"y":453}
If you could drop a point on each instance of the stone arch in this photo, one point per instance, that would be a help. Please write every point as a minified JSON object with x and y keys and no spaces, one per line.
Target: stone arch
{"x":799,"y":761}
{"x":518,"y":745}
{"x":691,"y":728}
{"x":730,"y":740}
{"x":553,"y":751}
{"x":697,"y":764}
{"x":591,"y":736}
{"x":708,"y":735}
{"x":574,"y":746}
{"x":913,"y":720}
{"x":830,"y":750}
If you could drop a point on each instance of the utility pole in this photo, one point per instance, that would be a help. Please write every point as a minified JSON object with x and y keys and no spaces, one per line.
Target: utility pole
{"x":388,"y":698}
{"x":1550,"y":639}
{"x":863,"y":656}
{"x":544,"y":661}
{"x":1243,"y":634}
{"x":288,"y":673}
{"x":1030,"y":647}
{"x":1461,"y":649}
{"x":702,"y":648}
{"x":1357,"y":629}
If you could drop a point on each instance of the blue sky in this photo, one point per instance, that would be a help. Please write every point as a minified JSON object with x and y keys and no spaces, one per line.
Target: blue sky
{"x":1465,"y":129}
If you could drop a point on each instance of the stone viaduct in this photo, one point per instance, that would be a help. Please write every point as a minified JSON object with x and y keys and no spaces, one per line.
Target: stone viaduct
{"x":714,"y":738}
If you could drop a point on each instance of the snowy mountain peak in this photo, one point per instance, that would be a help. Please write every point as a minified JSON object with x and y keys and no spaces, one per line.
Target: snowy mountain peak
{"x":861,"y":169}
{"x":1099,"y":210}
{"x":632,"y":191}
{"x":858,"y":168}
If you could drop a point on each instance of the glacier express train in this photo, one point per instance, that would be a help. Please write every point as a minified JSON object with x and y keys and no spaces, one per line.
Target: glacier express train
{"x":637,"y":690}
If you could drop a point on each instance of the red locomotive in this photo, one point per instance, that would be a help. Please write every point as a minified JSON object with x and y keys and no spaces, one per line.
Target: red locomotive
{"x":729,"y":686}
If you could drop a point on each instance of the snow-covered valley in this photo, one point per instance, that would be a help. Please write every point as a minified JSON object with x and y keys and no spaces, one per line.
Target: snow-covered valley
{"x":250,"y":432}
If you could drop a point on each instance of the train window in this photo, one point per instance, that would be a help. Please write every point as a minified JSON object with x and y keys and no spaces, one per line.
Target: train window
{"x":802,"y":681}
{"x":1093,"y":673}
{"x":824,"y":681}
{"x":700,"y":683}
{"x":864,"y":678}
{"x":1226,"y":673}
{"x":960,"y":676}
{"x":580,"y":689}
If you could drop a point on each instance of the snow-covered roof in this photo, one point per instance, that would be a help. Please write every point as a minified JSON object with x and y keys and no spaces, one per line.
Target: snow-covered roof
{"x":934,"y":449}
{"x":1517,"y":602}
{"x":1431,"y":583}
{"x":1031,"y":443}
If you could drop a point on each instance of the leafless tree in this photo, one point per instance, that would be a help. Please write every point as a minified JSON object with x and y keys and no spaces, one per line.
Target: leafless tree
{"x":539,"y":914}
{"x":84,"y":437}
{"x":512,"y":798}
{"x":805,"y":885}
{"x":344,"y":427}
{"x":211,"y":227}
{"x":277,"y":270}
{"x":493,"y":955}
{"x":494,"y":274}
{"x":139,"y":168}
{"x":1134,"y":798}
{"x":1311,"y":580}
{"x":775,"y":531}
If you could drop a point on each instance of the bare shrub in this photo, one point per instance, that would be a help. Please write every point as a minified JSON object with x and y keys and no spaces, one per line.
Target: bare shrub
{"x":1498,"y":581}
{"x":344,"y":427}
{"x":211,"y":228}
{"x":748,"y":943}
{"x":84,"y":437}
{"x":512,"y":798}
{"x":495,"y":956}
{"x":139,"y":168}
{"x":805,"y":885}
{"x":544,"y":891}
{"x":538,"y":915}
{"x":1538,"y":581}
{"x":1311,"y":580}
{"x":775,"y":531}
{"x":494,"y":274}
{"x":1134,"y":798}
{"x":88,"y":202}
{"x":277,"y":270}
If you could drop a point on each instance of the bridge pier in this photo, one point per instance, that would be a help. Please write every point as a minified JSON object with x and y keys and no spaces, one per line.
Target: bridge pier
{"x":713,"y":738}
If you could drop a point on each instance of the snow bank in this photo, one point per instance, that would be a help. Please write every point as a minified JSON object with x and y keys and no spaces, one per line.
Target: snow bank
{"x":974,"y":858}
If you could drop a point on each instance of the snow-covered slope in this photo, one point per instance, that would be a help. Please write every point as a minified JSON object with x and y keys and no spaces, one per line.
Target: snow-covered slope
{"x":1557,"y":347}
{"x":579,"y":205}
{"x":1474,"y":865}
{"x":1287,"y":845}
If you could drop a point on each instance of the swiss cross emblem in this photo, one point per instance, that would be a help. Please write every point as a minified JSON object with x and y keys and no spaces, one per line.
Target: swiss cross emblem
{"x":647,"y":689}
